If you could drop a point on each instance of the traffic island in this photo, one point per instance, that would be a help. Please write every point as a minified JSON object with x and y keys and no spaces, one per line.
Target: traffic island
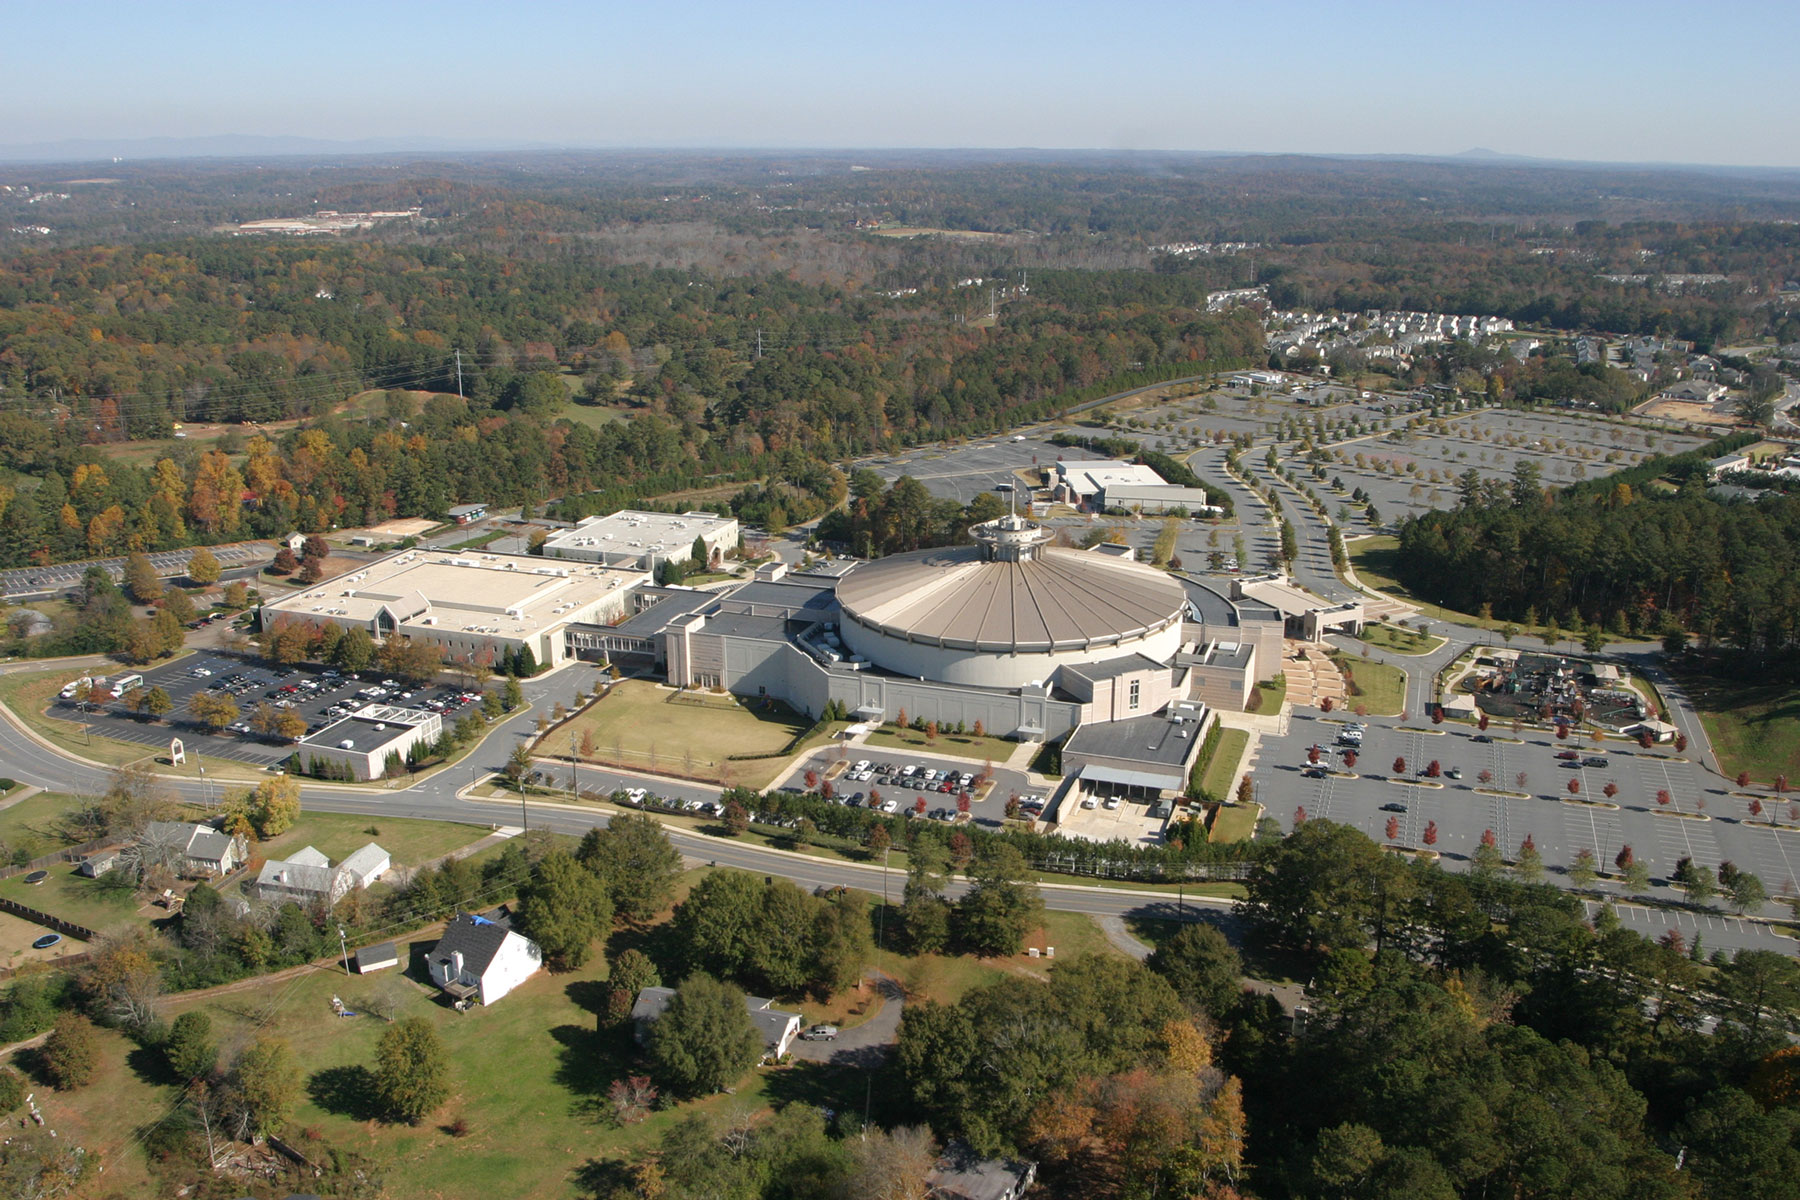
{"x":1586,"y":803}
{"x":1425,"y":729}
{"x":1685,"y":816}
{"x":1770,"y":825}
{"x":1501,"y":792}
{"x":1418,"y":783}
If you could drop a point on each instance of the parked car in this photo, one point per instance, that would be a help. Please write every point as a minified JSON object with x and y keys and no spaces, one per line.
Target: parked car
{"x":1390,"y":806}
{"x":1568,"y":755}
{"x":820,"y":1033}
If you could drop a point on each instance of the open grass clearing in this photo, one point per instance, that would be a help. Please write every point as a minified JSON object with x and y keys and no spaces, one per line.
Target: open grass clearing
{"x":337,"y":835}
{"x":1378,"y":687}
{"x":1235,"y":823}
{"x":39,"y":824}
{"x":1271,"y":694}
{"x":959,"y":745}
{"x":643,"y":726}
{"x":1754,"y":724}
{"x":1374,"y":560}
{"x":1400,"y":641}
{"x":1221,"y":773}
{"x":96,"y":903}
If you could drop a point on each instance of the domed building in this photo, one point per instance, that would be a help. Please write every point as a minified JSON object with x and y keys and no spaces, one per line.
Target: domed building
{"x":1008,"y":611}
{"x":1028,"y":639}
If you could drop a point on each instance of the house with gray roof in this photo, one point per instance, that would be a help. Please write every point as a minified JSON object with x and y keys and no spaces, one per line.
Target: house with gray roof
{"x":482,"y":958}
{"x":778,"y":1028}
{"x":192,"y":849}
{"x":307,"y":876}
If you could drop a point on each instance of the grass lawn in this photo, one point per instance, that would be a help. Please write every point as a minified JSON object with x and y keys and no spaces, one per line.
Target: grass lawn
{"x":336,"y":835}
{"x":1221,"y":773}
{"x":1754,"y":726}
{"x":35,"y":825}
{"x":1379,"y":686}
{"x":1271,"y":694}
{"x":1235,"y":823}
{"x":959,"y":745}
{"x":1400,"y":641}
{"x":84,"y":901}
{"x":1373,"y":559}
{"x":637,"y":725}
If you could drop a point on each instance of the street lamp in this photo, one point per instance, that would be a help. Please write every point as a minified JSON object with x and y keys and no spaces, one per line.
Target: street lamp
{"x":343,"y":946}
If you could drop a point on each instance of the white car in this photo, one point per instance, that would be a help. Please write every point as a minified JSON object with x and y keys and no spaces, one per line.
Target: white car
{"x":1112,"y":802}
{"x":861,"y":765}
{"x":888,"y":806}
{"x":908,"y":770}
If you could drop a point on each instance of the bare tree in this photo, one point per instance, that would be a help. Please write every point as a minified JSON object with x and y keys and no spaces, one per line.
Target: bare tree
{"x":892,"y":1165}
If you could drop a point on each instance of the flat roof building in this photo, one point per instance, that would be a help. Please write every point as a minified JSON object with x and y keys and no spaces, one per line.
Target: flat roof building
{"x":476,"y":607}
{"x":644,"y":540}
{"x":359,"y":746}
{"x":1087,"y":479}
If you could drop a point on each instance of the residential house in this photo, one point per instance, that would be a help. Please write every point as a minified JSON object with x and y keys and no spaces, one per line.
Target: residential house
{"x":308,"y":877}
{"x":194,"y":849}
{"x":482,"y":958}
{"x":961,"y":1174}
{"x":778,"y":1028}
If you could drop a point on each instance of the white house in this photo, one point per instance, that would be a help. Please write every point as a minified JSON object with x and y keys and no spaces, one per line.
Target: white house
{"x":481,"y":958}
{"x":778,"y":1028}
{"x":308,"y":877}
{"x":367,"y":865}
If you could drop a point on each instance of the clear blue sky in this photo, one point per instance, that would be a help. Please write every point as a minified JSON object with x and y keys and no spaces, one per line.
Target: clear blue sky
{"x":1588,"y":79}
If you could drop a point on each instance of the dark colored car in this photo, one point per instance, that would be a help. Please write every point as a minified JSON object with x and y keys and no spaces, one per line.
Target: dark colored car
{"x":1393,"y":807}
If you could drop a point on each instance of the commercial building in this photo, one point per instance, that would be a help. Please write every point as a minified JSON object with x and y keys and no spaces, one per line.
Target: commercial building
{"x":362,"y":743}
{"x":1083,"y":480}
{"x":476,"y":608}
{"x":1031,"y":640}
{"x":1159,"y":498}
{"x":644,"y":540}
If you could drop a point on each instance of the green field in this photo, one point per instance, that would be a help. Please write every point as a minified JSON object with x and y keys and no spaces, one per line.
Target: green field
{"x":1271,"y":694}
{"x":36,"y":824}
{"x":638,"y":725}
{"x":1235,"y":823}
{"x":1380,"y":687}
{"x":336,"y":835}
{"x":528,"y":1075}
{"x":1754,"y":727}
{"x":1221,"y":773}
{"x":961,"y":745}
{"x":1373,"y":559}
{"x":1400,"y":641}
{"x":91,"y":902}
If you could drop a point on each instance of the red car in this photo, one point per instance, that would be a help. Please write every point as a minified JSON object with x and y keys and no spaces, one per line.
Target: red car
{"x":1568,"y":755}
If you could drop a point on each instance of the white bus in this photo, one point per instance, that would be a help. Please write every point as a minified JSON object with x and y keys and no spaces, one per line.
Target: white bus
{"x":125,"y":683}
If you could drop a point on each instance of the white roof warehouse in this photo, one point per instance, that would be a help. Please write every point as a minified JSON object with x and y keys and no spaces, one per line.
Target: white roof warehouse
{"x":467,"y":604}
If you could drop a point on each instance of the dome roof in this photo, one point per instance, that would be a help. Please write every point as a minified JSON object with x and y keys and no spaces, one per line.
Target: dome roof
{"x":1056,"y":599}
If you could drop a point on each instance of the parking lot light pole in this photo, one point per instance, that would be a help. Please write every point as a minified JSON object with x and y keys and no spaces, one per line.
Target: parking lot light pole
{"x":344,"y":946}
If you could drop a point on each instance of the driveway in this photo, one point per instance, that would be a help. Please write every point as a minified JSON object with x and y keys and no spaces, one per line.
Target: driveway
{"x":864,"y":1045}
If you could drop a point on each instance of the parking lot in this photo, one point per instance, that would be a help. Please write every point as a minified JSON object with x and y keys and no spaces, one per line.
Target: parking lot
{"x":1559,"y":824}
{"x":888,"y":776}
{"x":962,"y":473}
{"x":319,"y":696}
{"x":37,"y":581}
